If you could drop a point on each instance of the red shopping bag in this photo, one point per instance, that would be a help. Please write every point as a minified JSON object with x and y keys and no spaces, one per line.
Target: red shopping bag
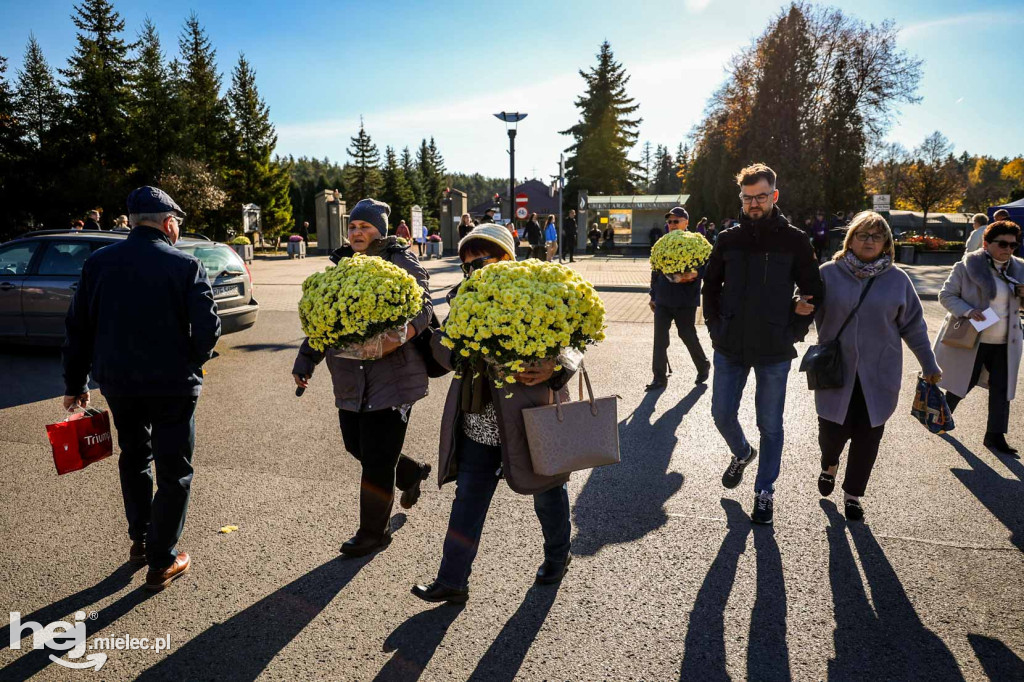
{"x":81,"y":439}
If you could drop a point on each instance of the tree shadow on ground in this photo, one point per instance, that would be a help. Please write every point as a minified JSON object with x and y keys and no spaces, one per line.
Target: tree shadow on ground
{"x":32,"y":373}
{"x":1000,"y":496}
{"x":505,"y":656}
{"x":35,"y":660}
{"x":243,"y":646}
{"x":624,"y":502}
{"x":704,"y":656}
{"x":881,"y":637}
{"x":415,"y":641}
{"x":996,"y":658}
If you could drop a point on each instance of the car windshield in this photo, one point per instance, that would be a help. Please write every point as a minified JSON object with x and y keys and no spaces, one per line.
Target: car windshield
{"x":217,"y":259}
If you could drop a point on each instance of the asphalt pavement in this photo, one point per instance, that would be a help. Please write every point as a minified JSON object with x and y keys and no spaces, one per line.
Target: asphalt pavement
{"x":669,"y":579}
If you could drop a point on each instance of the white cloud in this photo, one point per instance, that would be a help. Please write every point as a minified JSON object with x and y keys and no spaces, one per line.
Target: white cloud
{"x":959,"y":100}
{"x":923,"y":28}
{"x":672,"y":94}
{"x":696,"y":6}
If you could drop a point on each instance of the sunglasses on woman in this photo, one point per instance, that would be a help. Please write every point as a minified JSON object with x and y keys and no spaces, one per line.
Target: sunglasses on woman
{"x":475,"y":264}
{"x":1005,"y":245}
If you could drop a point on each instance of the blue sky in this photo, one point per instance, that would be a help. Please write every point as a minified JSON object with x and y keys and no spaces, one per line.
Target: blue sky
{"x":415,"y":69}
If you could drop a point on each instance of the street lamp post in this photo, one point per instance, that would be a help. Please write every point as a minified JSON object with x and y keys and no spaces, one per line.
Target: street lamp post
{"x":513,"y":117}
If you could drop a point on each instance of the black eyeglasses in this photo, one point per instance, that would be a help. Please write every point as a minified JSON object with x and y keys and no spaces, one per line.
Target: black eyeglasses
{"x":1005,"y":245}
{"x":674,"y":222}
{"x":474,"y":265}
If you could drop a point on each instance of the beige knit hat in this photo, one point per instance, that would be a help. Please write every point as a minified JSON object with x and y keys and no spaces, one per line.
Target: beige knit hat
{"x":493,"y":233}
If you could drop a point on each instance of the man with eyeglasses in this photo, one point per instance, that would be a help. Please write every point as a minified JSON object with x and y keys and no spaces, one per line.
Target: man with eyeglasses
{"x":676,"y":302}
{"x":752,"y":317}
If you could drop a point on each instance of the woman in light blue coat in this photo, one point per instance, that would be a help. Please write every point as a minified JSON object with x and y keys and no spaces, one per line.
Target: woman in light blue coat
{"x":872,"y":352}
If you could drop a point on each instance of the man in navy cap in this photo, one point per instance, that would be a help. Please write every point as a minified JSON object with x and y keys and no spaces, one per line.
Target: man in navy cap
{"x":676,"y":302}
{"x":159,"y":298}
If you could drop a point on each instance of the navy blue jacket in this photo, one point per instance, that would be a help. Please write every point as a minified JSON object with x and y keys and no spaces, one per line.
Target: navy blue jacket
{"x":665,"y":292}
{"x":142,"y":322}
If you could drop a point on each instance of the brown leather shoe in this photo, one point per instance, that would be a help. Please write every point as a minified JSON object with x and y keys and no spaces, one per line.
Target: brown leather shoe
{"x":158,"y":580}
{"x":137,"y":554}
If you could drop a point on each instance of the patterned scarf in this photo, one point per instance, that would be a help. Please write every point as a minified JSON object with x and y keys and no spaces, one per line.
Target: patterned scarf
{"x":862,"y":270}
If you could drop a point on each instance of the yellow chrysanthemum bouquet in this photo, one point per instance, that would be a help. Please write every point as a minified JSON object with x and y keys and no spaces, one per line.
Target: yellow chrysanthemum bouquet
{"x":353,"y":306}
{"x":679,"y":251}
{"x":513,"y":314}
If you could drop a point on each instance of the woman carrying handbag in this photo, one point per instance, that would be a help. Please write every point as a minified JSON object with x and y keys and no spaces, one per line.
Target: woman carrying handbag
{"x":990,"y":277}
{"x":869,"y":307}
{"x":483,"y":439}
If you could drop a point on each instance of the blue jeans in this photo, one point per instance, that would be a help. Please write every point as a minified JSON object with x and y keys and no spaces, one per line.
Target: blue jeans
{"x":769,"y":404}
{"x":477,"y":479}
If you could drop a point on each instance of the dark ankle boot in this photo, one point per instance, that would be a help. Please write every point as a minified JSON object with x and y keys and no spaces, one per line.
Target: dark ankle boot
{"x":997,"y":441}
{"x":374,"y":521}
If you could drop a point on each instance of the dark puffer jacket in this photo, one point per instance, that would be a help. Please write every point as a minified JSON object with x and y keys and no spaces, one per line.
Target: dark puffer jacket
{"x":749,"y":289}
{"x":399,"y":378}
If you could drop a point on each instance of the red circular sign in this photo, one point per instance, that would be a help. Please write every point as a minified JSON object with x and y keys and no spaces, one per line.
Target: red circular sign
{"x":521,"y":198}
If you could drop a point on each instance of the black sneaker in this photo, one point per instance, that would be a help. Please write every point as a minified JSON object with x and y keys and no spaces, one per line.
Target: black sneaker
{"x":826,"y":484}
{"x":854,"y":512}
{"x":764,"y":508}
{"x":704,"y":372}
{"x":734,"y":474}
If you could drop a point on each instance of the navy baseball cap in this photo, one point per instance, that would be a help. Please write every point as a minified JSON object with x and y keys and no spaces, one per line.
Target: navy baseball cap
{"x":152,"y":200}
{"x":678,"y":212}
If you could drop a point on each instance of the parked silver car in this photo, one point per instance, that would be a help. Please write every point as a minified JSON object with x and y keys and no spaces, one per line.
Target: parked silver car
{"x":39,"y":274}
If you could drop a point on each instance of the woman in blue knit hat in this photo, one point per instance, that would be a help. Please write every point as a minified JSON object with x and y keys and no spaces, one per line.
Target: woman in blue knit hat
{"x":375,"y":397}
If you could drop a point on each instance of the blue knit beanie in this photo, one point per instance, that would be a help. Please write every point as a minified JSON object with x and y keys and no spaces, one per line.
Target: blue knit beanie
{"x":374,"y":212}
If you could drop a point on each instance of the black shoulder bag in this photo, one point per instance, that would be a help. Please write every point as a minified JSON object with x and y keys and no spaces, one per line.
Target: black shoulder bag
{"x":823,"y":362}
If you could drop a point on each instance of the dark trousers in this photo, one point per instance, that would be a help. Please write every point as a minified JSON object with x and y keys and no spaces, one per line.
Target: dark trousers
{"x":991,"y":356}
{"x":863,"y":439}
{"x":479,"y":467}
{"x":376,"y":439}
{"x":538,"y":251}
{"x":569,"y":248}
{"x":161,"y":431}
{"x":684,"y":318}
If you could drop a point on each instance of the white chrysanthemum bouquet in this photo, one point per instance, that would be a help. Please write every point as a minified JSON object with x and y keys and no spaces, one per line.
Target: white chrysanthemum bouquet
{"x":354,"y":305}
{"x":680,"y":251}
{"x":513,"y":314}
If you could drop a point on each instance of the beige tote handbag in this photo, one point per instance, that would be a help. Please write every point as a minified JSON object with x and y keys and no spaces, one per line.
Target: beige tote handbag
{"x":572,"y":436}
{"x":960,"y":333}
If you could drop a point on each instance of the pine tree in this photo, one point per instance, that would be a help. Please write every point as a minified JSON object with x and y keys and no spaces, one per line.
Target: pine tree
{"x":363,"y":179}
{"x":647,"y":159}
{"x":412,"y":175}
{"x":204,"y":112}
{"x":395,"y":190}
{"x":154,"y":120}
{"x":665,"y":180}
{"x":97,"y":78}
{"x":598,"y":158}
{"x":252,"y":176}
{"x":39,"y":101}
{"x":432,"y":175}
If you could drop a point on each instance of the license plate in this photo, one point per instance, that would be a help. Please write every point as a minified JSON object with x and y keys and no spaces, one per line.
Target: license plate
{"x":221,"y":292}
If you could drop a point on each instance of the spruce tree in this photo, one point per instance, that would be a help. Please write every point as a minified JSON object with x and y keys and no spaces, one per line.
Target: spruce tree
{"x":204,"y":112}
{"x":11,"y":155}
{"x":251,"y":174}
{"x":665,"y":180}
{"x":395,"y":190}
{"x":39,"y":101}
{"x":647,"y":158}
{"x":363,"y":179}
{"x":154,"y":121}
{"x":843,"y":147}
{"x":97,"y":78}
{"x":598,"y":158}
{"x":432,"y":175}
{"x":412,"y":176}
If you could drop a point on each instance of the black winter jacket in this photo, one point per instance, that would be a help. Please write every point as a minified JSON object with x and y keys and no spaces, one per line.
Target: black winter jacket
{"x":533,"y":233}
{"x":665,"y":292}
{"x":142,"y":321}
{"x":749,"y":289}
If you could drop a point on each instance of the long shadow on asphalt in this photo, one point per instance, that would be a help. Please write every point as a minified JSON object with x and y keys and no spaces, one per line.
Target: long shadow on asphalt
{"x":1000,"y":496}
{"x":505,"y":656}
{"x":243,"y":646}
{"x":767,"y":650}
{"x":624,"y":502}
{"x":32,"y":373}
{"x":888,"y":641}
{"x":415,"y":641}
{"x":36,"y":660}
{"x":996,"y":658}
